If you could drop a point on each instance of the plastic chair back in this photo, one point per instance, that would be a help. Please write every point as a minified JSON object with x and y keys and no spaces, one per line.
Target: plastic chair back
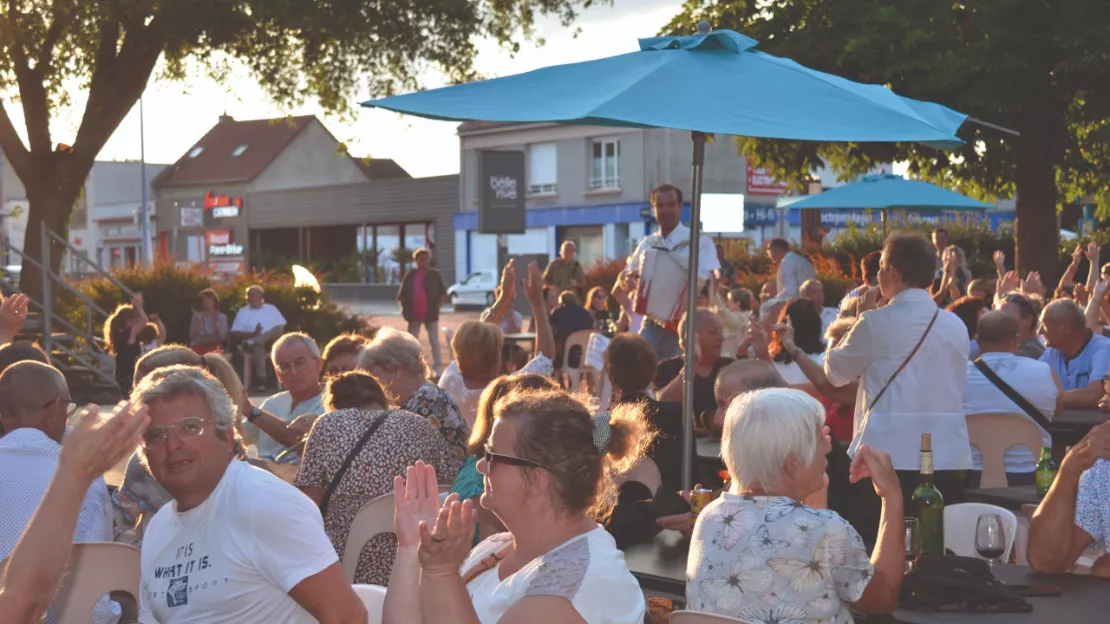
{"x":960,"y":521}
{"x":373,"y":598}
{"x":697,"y":617}
{"x":574,"y":375}
{"x":373,"y":518}
{"x":94,"y":570}
{"x":994,"y":433}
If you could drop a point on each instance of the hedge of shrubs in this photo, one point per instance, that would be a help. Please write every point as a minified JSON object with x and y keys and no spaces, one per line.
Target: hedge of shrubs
{"x":171,"y":292}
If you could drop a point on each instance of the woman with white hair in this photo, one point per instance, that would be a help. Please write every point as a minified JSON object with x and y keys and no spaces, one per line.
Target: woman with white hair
{"x":396,"y":360}
{"x":759,"y":553}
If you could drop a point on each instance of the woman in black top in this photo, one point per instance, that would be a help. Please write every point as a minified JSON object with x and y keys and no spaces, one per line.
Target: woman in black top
{"x":597,"y":304}
{"x":121,"y":332}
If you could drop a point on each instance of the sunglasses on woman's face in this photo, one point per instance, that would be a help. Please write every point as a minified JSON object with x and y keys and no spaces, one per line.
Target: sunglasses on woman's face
{"x":509,"y":460}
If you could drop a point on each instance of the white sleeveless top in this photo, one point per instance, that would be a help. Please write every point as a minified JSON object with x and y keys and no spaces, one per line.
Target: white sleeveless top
{"x":587,"y":570}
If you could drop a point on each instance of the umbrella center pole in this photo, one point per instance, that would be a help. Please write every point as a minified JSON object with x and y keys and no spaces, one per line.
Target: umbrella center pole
{"x":689,"y":370}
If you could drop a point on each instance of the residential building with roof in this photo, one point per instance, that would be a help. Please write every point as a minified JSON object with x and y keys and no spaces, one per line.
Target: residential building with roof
{"x":260,"y":193}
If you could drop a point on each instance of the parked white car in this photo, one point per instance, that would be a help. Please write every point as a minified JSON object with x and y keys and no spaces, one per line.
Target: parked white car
{"x":476,"y":289}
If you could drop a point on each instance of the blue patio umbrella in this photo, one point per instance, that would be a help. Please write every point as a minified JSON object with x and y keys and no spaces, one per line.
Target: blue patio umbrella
{"x":889,"y":192}
{"x":707,"y":83}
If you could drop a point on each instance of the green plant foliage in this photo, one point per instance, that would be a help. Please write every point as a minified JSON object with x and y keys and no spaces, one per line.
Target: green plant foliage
{"x":171,"y":292}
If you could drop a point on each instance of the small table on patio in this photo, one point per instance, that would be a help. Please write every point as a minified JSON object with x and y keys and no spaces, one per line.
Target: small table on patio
{"x":1070,"y":426}
{"x":660,"y":567}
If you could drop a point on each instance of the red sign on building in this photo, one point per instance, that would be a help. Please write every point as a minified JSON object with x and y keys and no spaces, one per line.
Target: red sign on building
{"x":761,"y":182}
{"x":217,"y":237}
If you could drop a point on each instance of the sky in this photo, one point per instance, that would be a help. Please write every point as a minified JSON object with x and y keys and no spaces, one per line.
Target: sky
{"x":177,"y":114}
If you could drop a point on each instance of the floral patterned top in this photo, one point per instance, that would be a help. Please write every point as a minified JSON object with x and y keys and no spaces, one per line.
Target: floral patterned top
{"x":1092,"y":505}
{"x":399,"y":441}
{"x":433,"y":403}
{"x":771,"y":559}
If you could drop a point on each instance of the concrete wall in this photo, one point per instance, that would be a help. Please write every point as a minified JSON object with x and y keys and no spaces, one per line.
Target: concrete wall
{"x":311,"y":159}
{"x":669,"y":157}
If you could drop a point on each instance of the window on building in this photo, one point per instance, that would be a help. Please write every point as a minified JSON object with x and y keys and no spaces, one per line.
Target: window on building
{"x":605,"y":165}
{"x":79,"y":218}
{"x":239,"y":150}
{"x":386,"y":250}
{"x":193,"y":153}
{"x":541,"y":168}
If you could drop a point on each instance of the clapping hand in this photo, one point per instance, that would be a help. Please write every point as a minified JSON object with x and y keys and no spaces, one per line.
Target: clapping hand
{"x":876,"y":465}
{"x":1033,"y":283}
{"x":508,"y":281}
{"x":999,"y":257}
{"x":93,"y":445}
{"x":1010,"y":282}
{"x":757,"y":338}
{"x":1093,"y":447}
{"x":444,"y":547}
{"x":1077,"y":255}
{"x":786,"y":332}
{"x":13,"y":312}
{"x":1092,"y":254}
{"x":533,"y":284}
{"x":415,"y":502}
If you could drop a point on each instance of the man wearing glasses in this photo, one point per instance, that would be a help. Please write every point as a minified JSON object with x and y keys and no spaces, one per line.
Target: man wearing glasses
{"x":237,"y":544}
{"x":35,"y":406}
{"x":296,"y":358}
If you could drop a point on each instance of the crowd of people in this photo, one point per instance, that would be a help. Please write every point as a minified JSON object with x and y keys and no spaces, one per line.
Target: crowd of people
{"x":820,"y":407}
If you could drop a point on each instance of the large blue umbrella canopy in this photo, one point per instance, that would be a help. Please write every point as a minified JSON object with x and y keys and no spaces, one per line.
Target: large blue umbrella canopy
{"x":715,"y":83}
{"x":889,"y":192}
{"x":707,"y":83}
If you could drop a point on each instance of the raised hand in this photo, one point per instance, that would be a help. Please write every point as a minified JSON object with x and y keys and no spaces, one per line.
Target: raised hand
{"x":93,"y":445}
{"x":444,"y":547}
{"x":415,"y":502}
{"x":1033,"y":283}
{"x":1093,"y":447}
{"x":786,"y":332}
{"x":1010,"y":282}
{"x":876,"y":465}
{"x":999,"y":257}
{"x":1077,"y":255}
{"x":1092,"y":253}
{"x":757,"y":338}
{"x":533,"y":284}
{"x":137,"y":301}
{"x":13,"y":312}
{"x":508,"y":280}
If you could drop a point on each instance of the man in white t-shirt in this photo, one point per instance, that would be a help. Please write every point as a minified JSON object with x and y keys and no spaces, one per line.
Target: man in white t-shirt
{"x":237,"y":544}
{"x":1034,"y":381}
{"x":296,"y":358}
{"x":791,"y":269}
{"x":257,"y":325}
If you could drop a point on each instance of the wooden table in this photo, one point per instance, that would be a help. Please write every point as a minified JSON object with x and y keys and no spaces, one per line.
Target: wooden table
{"x":1072,"y":424}
{"x":1011,"y":498}
{"x":660,"y":567}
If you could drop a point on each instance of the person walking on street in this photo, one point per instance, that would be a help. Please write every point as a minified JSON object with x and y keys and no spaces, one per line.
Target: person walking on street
{"x":564,"y":272}
{"x":421,"y":295}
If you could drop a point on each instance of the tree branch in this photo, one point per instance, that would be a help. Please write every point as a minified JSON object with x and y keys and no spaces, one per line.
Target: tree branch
{"x":32,"y":94}
{"x":13,"y":147}
{"x":53,"y":34}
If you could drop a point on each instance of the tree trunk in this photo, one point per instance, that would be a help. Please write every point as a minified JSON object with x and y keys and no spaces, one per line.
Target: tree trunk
{"x":49,"y":204}
{"x":1036,"y":228}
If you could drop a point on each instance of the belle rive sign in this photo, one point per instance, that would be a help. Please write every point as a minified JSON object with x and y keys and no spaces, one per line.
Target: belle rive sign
{"x":501,"y":193}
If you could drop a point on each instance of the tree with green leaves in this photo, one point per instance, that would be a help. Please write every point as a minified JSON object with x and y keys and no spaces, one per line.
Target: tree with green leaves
{"x":1036,"y":67}
{"x":297,"y":49}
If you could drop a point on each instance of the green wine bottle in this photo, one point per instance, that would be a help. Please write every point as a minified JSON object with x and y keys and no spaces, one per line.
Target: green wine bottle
{"x":928,"y":504}
{"x":1046,"y":472}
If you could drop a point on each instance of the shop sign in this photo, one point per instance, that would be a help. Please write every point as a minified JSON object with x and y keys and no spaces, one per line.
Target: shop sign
{"x":762,"y":182}
{"x":229,"y":267}
{"x":223,"y":206}
{"x":217,"y":237}
{"x":501,"y":192}
{"x":760,"y":215}
{"x":192,"y":217}
{"x":223,"y":251}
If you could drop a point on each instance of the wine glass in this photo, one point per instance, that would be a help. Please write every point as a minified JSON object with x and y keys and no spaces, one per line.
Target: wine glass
{"x":913,"y":541}
{"x":990,"y":538}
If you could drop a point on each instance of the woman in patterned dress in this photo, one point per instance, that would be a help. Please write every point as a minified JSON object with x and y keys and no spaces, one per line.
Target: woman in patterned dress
{"x":396,"y":359}
{"x":760,"y":553}
{"x":400,"y":440}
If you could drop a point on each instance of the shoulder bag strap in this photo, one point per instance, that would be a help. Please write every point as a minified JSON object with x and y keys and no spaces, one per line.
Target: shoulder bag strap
{"x":486,"y":564}
{"x":906,"y":361}
{"x":350,"y":458}
{"x":1012,"y":394}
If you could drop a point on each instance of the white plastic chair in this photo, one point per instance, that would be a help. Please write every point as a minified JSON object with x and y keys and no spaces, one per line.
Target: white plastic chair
{"x":698,"y":617}
{"x":960,"y":521}
{"x":372,"y":518}
{"x":574,"y":375}
{"x":994,"y":433}
{"x":373,"y":598}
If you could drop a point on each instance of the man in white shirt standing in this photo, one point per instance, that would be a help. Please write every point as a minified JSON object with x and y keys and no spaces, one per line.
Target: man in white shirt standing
{"x":791,"y":269}
{"x":34,"y":407}
{"x":237,"y":544}
{"x":926,"y":395}
{"x":666,"y":204}
{"x":297,"y":361}
{"x":814,"y":290}
{"x":1038,"y":384}
{"x":257,"y":325}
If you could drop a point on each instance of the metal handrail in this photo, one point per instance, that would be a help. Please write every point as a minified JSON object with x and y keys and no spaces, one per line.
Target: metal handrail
{"x":64,"y":323}
{"x":57,"y":278}
{"x":85,"y":258}
{"x":95,"y":369}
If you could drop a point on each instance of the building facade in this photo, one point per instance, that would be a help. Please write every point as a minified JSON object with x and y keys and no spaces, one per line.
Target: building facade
{"x":265,"y":193}
{"x":588,"y":184}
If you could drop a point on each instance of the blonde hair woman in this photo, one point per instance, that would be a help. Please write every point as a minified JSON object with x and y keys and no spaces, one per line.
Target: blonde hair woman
{"x":477,"y":345}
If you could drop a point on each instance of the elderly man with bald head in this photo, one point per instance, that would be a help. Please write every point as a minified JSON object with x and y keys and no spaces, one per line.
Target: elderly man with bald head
{"x":35,"y":406}
{"x":814,"y":290}
{"x":709,"y":335}
{"x":1079,"y":356}
{"x":1038,"y":384}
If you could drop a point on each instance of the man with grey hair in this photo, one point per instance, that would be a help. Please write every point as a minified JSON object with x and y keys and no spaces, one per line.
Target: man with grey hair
{"x":296,"y":358}
{"x":257,"y":325}
{"x":814,"y":290}
{"x":237,"y":543}
{"x":35,"y":405}
{"x":1080,"y":357}
{"x":709,"y":339}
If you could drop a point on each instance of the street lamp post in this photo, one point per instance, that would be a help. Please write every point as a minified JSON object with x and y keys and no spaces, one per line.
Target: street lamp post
{"x":144,"y":210}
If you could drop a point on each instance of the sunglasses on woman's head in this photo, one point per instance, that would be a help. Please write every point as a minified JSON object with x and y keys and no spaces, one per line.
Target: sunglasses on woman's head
{"x":509,"y":460}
